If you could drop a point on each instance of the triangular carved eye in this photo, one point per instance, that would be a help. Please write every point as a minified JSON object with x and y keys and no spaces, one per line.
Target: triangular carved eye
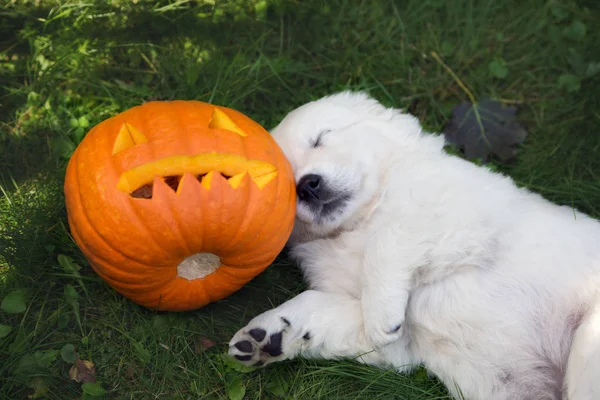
{"x":220,"y":120}
{"x":128,"y":137}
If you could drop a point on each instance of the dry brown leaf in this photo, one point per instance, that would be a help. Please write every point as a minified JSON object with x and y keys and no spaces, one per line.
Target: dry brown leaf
{"x":131,"y":371}
{"x":201,"y":344}
{"x":83,"y":371}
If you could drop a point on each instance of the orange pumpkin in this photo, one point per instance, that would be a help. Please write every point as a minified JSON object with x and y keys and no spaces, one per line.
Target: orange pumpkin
{"x":179,"y":204}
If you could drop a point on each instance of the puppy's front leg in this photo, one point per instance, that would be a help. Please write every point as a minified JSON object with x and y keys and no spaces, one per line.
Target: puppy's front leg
{"x":312,"y":325}
{"x":388,"y":266}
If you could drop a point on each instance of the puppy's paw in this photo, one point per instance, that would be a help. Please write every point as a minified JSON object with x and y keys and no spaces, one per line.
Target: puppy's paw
{"x":380,"y":335}
{"x":266,"y":339}
{"x":383,"y":327}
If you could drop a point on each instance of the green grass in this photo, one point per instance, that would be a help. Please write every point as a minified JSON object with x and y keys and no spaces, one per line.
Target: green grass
{"x":66,"y":66}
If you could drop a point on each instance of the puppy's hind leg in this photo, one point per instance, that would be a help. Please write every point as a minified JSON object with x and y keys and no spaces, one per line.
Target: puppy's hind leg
{"x":582,"y":380}
{"x":312,"y":325}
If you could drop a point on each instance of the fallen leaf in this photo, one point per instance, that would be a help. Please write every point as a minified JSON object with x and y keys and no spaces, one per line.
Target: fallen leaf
{"x":130,"y":372}
{"x":201,"y":344}
{"x":83,"y":371}
{"x":39,"y":386}
{"x":484,"y":129}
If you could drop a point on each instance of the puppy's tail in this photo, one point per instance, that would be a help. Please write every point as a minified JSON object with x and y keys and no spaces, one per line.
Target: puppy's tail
{"x":582,"y":379}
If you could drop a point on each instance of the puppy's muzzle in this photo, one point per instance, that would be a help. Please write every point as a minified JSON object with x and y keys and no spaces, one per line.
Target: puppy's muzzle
{"x":310,"y":189}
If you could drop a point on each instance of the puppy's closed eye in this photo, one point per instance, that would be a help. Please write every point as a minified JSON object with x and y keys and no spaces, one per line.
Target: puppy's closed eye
{"x":319,"y":140}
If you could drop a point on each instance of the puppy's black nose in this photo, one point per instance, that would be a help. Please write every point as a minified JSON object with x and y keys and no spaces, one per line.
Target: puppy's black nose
{"x":309,"y":187}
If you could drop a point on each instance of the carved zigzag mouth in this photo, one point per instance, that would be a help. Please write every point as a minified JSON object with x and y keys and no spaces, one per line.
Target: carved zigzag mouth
{"x":203,"y":166}
{"x":138,"y":180}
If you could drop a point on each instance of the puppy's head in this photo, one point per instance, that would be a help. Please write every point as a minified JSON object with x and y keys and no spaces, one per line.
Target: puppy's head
{"x":340,"y":148}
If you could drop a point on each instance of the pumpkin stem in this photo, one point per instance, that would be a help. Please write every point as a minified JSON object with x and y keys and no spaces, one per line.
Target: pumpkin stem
{"x":198,"y":265}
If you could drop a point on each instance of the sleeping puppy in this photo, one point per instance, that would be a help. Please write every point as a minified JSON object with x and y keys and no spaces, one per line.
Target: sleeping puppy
{"x":416,"y":257}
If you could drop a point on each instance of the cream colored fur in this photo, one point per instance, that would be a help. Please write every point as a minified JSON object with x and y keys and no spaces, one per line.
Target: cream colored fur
{"x":494,"y":289}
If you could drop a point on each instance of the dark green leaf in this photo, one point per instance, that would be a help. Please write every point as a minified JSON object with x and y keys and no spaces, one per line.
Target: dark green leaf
{"x":5,"y":330}
{"x":62,"y":321}
{"x":79,"y":134}
{"x":31,"y":362}
{"x":93,"y":389}
{"x":21,"y":341}
{"x":14,"y":302}
{"x":277,"y":385}
{"x":142,"y":354}
{"x":68,"y":353}
{"x":421,"y":375}
{"x":576,"y":31}
{"x":571,"y":83}
{"x":71,"y":296}
{"x":236,"y":389}
{"x":577,"y":62}
{"x":233,"y":364}
{"x":44,"y":358}
{"x":62,"y":147}
{"x":592,"y":69}
{"x":498,"y":69}
{"x":160,"y":323}
{"x":68,"y":264}
{"x":447,"y":48}
{"x":559,"y":12}
{"x":485,"y":129}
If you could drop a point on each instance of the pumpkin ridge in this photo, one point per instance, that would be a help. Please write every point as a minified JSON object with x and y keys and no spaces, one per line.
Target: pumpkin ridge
{"x":138,"y":218}
{"x":168,"y":196}
{"x":263,"y":226}
{"x":244,"y":222}
{"x":275,"y":204}
{"x":86,"y":216}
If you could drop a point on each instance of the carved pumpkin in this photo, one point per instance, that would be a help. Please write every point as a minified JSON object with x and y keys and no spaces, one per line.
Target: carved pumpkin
{"x":179,"y":204}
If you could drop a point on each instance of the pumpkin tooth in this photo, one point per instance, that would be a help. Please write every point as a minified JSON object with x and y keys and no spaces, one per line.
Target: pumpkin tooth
{"x":220,"y":120}
{"x":262,"y":180}
{"x":207,"y":180}
{"x":236,"y":180}
{"x":184,"y":181}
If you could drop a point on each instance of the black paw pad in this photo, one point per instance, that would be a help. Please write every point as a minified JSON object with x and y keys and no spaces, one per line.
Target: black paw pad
{"x":244,"y":346}
{"x":273,"y":348}
{"x":243,"y":358}
{"x":258,"y":334}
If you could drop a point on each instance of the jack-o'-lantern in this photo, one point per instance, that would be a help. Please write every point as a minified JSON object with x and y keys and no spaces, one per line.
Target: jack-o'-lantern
{"x":179,"y":204}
